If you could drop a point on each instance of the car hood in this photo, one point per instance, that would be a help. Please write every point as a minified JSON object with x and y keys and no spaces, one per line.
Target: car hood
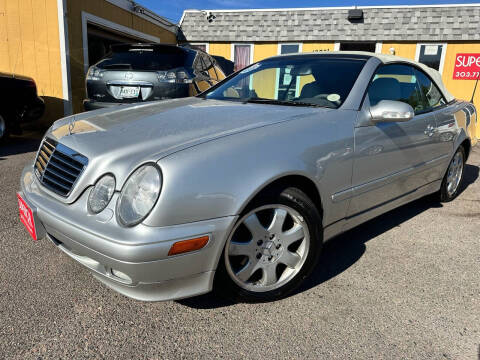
{"x":161,"y":128}
{"x":119,"y":140}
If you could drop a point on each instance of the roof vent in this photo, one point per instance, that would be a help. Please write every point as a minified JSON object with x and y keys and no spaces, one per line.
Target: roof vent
{"x":355,"y":14}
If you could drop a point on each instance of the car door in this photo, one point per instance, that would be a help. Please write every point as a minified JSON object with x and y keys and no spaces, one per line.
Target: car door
{"x":389,"y":157}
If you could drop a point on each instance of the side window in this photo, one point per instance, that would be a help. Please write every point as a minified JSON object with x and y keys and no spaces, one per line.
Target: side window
{"x":432,"y":95}
{"x":396,"y":82}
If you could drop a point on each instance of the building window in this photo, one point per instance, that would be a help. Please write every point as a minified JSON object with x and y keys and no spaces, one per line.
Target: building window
{"x":432,"y":55}
{"x":202,"y":47}
{"x":242,"y":56}
{"x":289,"y":48}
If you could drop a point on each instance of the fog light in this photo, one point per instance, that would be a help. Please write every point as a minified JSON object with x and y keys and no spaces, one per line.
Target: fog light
{"x":121,"y":275}
{"x":184,"y":246}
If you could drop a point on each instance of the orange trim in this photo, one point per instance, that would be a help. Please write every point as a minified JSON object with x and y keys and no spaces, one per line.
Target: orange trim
{"x":184,"y":246}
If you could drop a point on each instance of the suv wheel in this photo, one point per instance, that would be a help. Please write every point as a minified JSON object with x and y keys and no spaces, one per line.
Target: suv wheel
{"x":3,"y":129}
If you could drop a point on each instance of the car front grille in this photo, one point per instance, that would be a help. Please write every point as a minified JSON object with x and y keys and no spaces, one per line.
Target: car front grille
{"x":58,"y":167}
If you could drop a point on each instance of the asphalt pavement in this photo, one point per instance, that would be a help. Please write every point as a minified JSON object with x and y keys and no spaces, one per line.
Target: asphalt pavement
{"x":403,"y":286}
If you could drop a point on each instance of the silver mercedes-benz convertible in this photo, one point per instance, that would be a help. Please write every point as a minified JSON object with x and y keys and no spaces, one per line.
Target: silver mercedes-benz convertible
{"x":237,"y":189}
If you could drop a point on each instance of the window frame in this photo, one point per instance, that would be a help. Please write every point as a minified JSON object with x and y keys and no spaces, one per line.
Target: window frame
{"x":442,"y":55}
{"x":232,"y":52}
{"x":279,"y":46}
{"x":207,"y":46}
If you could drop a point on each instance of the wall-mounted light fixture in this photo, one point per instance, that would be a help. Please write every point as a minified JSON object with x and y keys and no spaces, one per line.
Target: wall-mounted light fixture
{"x":355,"y":14}
{"x":392,"y":51}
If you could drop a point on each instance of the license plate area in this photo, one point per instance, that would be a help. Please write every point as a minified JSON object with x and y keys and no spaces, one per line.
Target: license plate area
{"x":129,"y":92}
{"x":26,"y":217}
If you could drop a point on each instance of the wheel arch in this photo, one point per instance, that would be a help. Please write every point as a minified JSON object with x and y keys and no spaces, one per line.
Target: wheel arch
{"x":278,"y":184}
{"x":467,"y":146}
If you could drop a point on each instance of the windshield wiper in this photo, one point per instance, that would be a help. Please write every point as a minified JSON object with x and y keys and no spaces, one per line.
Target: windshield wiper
{"x":279,"y":102}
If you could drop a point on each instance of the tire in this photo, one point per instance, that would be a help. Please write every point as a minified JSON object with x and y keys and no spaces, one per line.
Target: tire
{"x":4,"y":133}
{"x":278,"y":228}
{"x":453,"y":177}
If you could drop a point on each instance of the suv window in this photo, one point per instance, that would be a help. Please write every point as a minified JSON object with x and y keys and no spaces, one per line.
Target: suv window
{"x":396,"y":82}
{"x":147,"y":59}
{"x":432,"y":95}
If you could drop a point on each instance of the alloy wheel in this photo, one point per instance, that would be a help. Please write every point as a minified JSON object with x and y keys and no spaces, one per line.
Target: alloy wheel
{"x":267,"y":248}
{"x":454,"y":175}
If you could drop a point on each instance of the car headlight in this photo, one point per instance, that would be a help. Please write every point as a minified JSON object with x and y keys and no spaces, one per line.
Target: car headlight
{"x":139,"y":195}
{"x":101,"y":194}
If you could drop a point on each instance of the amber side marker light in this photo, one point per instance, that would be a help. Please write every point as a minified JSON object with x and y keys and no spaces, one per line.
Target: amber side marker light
{"x":184,"y":246}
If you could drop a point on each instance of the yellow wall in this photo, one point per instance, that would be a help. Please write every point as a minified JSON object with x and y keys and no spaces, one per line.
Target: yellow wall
{"x":220,"y":49}
{"x":314,"y":47}
{"x":263,"y":51}
{"x":263,"y":82}
{"x":107,"y":11}
{"x":406,"y":50}
{"x":30,"y":46}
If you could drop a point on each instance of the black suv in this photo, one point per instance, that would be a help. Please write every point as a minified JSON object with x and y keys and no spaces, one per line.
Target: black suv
{"x":133,"y":73}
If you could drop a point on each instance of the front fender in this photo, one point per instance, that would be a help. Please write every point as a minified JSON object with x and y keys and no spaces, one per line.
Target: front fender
{"x":219,"y":178}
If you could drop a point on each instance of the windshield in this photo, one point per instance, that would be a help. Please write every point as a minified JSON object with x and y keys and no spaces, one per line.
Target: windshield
{"x":144,"y":59}
{"x":303,"y":81}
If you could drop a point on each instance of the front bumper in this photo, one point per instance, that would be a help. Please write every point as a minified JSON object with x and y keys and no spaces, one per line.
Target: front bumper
{"x":132,"y":261}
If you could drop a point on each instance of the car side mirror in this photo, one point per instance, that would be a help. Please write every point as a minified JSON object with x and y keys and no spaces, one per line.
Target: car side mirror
{"x":391,"y":111}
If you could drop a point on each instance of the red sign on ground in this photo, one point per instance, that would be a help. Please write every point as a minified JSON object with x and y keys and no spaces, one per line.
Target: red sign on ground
{"x":467,"y":67}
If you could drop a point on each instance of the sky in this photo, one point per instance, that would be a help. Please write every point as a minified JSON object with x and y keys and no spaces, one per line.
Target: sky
{"x":173,"y":9}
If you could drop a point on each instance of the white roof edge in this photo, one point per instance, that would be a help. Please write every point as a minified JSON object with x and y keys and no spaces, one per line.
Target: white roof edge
{"x":331,"y":8}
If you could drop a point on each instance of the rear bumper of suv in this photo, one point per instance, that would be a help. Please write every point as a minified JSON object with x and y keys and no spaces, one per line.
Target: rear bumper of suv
{"x":156,"y":92}
{"x":89,"y":105}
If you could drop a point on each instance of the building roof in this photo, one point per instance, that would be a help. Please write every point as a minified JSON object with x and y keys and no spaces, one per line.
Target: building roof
{"x":400,"y":23}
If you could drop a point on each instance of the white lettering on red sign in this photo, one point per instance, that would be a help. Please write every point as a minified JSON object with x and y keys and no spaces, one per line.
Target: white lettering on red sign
{"x":467,"y":67}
